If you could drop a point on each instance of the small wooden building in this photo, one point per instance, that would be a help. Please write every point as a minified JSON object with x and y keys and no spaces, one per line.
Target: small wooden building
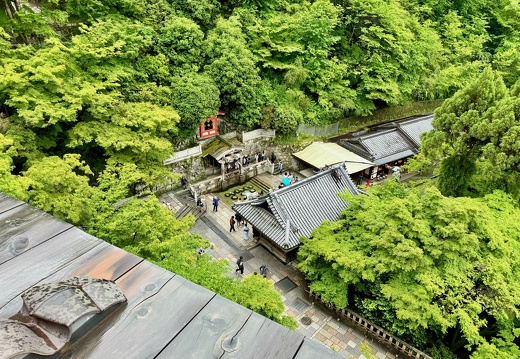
{"x":283,"y":216}
{"x":388,"y":145}
{"x":165,"y":316}
{"x":226,"y":154}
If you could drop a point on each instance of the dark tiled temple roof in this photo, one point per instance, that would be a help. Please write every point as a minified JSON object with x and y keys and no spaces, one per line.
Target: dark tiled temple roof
{"x":287,"y":214}
{"x":165,"y":316}
{"x":415,"y":127}
{"x":390,"y":142}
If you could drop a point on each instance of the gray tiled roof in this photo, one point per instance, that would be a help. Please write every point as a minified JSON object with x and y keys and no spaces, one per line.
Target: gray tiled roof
{"x":413,"y":128}
{"x":390,"y":142}
{"x":385,"y":143}
{"x":294,"y":211}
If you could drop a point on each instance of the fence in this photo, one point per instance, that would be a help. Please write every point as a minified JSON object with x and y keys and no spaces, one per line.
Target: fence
{"x":374,"y":329}
{"x":251,"y":135}
{"x":318,"y":131}
{"x":390,"y":114}
{"x":184,"y":154}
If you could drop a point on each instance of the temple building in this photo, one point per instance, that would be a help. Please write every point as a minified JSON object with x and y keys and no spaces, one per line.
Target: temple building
{"x":280,"y":218}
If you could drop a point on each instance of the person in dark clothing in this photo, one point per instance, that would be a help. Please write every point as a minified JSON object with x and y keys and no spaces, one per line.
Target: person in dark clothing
{"x":184,"y":182}
{"x":264,"y":270}
{"x":215,"y":203}
{"x":238,"y":218}
{"x":232,"y":224}
{"x":240,"y":265}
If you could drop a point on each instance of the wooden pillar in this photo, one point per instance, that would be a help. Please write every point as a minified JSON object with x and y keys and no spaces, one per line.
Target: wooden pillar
{"x":240,"y":158}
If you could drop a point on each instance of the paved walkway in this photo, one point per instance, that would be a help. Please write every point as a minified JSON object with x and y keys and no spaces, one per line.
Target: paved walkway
{"x":341,"y":336}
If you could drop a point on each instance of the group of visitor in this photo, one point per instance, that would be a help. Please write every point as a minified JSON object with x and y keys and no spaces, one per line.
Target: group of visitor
{"x":237,"y":219}
{"x":287,"y":180}
{"x":259,"y":156}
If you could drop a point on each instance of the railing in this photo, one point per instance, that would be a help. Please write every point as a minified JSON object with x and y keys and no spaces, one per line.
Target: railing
{"x":184,"y":154}
{"x":374,"y":329}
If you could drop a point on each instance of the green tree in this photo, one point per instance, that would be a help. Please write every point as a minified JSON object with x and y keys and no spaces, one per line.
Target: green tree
{"x":203,"y":12}
{"x":425,"y":266}
{"x":61,"y":186}
{"x":296,"y":48}
{"x":181,"y":41}
{"x":195,"y":97}
{"x":65,"y":98}
{"x":475,"y":139}
{"x":232,"y":66}
{"x":387,"y":50}
{"x":9,"y":183}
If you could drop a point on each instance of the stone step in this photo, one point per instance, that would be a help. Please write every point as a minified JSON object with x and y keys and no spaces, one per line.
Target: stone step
{"x":183,"y":212}
{"x":182,"y":193}
{"x":260,"y":184}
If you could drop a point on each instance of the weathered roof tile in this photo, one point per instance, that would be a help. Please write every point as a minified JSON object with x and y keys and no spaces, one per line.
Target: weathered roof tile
{"x":296,"y":210}
{"x":390,"y":142}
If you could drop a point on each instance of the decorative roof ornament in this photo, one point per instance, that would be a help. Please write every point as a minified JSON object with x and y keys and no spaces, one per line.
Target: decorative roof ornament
{"x":52,"y":312}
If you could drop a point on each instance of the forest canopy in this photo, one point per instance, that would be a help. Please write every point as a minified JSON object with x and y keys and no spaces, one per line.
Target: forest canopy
{"x":266,"y":63}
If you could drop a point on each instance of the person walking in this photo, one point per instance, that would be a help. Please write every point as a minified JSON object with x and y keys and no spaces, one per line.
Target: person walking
{"x":215,"y":203}
{"x":200,"y":204}
{"x":232,"y":224}
{"x":280,"y":167}
{"x":246,"y":232}
{"x":240,"y":265}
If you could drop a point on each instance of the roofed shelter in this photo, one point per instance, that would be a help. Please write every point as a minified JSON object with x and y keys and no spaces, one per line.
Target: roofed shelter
{"x":320,"y":154}
{"x":224,"y":152}
{"x":165,"y":315}
{"x":283,"y":216}
{"x":389,"y":145}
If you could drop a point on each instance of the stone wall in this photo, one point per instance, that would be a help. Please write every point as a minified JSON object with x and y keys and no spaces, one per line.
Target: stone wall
{"x":195,"y":168}
{"x":282,"y":152}
{"x":215,"y":183}
{"x":198,"y":168}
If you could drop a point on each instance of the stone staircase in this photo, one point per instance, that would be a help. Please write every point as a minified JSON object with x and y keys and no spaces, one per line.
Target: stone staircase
{"x":260,"y":184}
{"x":188,"y":204}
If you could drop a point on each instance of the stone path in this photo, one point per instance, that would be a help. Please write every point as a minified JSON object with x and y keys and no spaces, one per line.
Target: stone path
{"x":343,"y":337}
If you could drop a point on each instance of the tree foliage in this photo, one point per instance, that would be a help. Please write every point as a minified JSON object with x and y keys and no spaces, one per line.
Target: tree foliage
{"x":476,"y":139}
{"x":425,"y":266}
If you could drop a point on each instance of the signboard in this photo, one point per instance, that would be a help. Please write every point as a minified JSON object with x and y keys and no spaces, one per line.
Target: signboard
{"x":209,"y":127}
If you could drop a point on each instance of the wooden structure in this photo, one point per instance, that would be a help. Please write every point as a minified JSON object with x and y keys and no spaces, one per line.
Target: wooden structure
{"x":225,"y":153}
{"x":283,"y":216}
{"x":209,"y":128}
{"x":388,"y":145}
{"x":166,"y":316}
